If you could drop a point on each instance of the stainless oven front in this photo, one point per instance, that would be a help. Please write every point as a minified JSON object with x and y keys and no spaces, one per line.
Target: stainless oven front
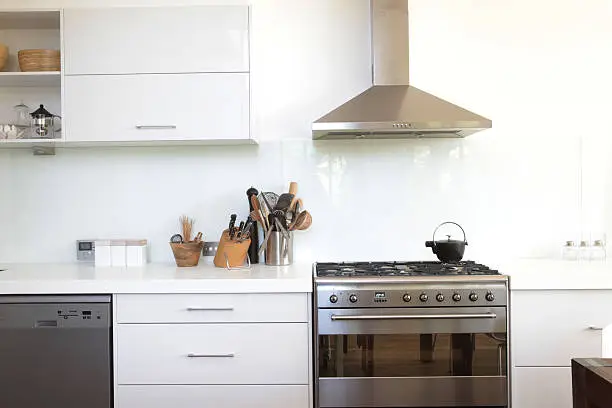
{"x":412,"y":357}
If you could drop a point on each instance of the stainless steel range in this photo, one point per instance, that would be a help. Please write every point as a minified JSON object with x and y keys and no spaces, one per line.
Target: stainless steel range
{"x":410,"y":334}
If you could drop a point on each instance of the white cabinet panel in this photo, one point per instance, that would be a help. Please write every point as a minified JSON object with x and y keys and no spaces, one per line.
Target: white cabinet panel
{"x":139,"y":108}
{"x":217,"y":396}
{"x":549,"y":328}
{"x":542,"y":387}
{"x":212,"y":308}
{"x":269,"y":353}
{"x":124,"y":40}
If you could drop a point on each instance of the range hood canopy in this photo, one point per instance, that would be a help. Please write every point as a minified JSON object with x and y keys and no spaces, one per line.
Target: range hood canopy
{"x":392,"y":108}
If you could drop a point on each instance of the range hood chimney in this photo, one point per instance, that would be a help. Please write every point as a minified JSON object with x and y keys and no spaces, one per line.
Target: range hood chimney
{"x":392,"y":108}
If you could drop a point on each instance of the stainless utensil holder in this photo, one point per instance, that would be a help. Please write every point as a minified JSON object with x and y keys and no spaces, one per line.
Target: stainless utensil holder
{"x":279,"y":249}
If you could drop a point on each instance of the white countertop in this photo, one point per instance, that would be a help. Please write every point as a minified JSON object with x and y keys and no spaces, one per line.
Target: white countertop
{"x":153,"y":278}
{"x":544,"y":274}
{"x":526,"y":274}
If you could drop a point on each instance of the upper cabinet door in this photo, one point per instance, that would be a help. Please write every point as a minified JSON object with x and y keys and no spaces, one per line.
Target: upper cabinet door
{"x":153,"y":40}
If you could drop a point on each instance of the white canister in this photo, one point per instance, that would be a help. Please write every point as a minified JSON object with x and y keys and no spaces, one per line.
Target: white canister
{"x":118,"y":253}
{"x":103,"y":253}
{"x":136,"y":252}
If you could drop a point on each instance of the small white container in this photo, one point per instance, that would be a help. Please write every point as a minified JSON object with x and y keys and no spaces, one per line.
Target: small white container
{"x":103,"y":253}
{"x":136,"y":252}
{"x":118,"y":253}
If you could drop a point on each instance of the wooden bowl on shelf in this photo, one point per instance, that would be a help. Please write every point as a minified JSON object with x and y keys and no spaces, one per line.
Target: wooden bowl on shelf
{"x":39,"y":60}
{"x":3,"y":56}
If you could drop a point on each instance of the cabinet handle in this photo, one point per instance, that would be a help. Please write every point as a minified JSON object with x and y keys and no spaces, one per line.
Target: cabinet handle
{"x":196,"y":355}
{"x":595,"y":328}
{"x":210,"y":309}
{"x":146,"y":127}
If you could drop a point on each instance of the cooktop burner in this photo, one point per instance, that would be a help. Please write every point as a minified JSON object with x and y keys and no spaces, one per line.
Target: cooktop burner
{"x":356,"y":269}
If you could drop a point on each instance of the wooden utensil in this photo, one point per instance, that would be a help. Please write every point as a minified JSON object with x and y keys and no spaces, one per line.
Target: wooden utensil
{"x":302,"y":222}
{"x":186,"y":227}
{"x":260,"y":215}
{"x":293,"y":189}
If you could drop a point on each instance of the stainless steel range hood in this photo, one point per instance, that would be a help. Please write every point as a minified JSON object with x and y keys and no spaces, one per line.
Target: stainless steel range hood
{"x":392,"y":108}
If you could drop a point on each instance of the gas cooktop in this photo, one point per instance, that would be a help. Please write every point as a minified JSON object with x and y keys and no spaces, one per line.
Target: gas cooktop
{"x":383,"y":269}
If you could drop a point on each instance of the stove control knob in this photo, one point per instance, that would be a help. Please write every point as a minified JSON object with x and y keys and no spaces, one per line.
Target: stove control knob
{"x":489,"y":296}
{"x":353,"y":298}
{"x":473,"y":297}
{"x":423,"y":297}
{"x":456,"y":297}
{"x":406,"y":297}
{"x":333,"y":298}
{"x":440,"y":297}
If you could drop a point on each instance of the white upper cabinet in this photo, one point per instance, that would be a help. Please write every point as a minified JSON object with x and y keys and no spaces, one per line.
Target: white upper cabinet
{"x":156,"y":108}
{"x":147,"y":40}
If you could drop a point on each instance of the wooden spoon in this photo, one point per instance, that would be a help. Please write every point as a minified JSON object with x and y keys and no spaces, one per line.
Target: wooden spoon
{"x":302,"y":222}
{"x":260,"y":216}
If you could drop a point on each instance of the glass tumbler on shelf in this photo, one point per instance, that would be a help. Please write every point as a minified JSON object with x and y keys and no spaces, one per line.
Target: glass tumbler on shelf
{"x":22,"y":115}
{"x":570,"y":251}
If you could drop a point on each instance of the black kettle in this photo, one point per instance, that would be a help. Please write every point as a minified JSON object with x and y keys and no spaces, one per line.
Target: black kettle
{"x":448,"y":250}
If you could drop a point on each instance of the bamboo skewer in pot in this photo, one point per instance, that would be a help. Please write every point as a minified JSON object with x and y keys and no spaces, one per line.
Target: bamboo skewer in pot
{"x":186,"y":227}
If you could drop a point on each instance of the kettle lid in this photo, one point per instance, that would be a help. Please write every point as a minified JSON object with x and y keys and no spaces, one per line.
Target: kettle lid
{"x":41,"y":111}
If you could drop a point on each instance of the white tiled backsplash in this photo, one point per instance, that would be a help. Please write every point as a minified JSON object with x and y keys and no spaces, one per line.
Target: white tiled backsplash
{"x":538,"y":178}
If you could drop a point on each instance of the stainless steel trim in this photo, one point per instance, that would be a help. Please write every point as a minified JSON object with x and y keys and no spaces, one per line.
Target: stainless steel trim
{"x":147,"y":127}
{"x":595,"y":328}
{"x":196,"y":355}
{"x":417,"y":317}
{"x":358,"y":321}
{"x":55,"y":299}
{"x":209,"y":309}
{"x":413,"y":392}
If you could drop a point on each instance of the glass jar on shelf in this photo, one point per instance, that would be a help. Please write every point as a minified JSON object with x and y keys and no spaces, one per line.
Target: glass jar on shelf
{"x":570,"y":251}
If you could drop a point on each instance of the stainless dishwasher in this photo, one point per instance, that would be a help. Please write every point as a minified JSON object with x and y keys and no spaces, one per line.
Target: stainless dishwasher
{"x":55,"y":351}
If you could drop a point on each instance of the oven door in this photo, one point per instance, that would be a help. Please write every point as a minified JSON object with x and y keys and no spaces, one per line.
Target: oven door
{"x":412,"y":357}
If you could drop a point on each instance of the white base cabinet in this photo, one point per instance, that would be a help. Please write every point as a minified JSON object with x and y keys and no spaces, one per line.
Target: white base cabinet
{"x":542,"y":387}
{"x":217,"y":350}
{"x":217,"y":396}
{"x":549,"y":329}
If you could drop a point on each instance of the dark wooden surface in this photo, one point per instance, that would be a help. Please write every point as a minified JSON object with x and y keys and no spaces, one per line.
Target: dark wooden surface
{"x":592,"y":382}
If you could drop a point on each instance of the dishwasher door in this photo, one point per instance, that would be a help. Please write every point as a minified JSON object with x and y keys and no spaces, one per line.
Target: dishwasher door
{"x":55,"y":352}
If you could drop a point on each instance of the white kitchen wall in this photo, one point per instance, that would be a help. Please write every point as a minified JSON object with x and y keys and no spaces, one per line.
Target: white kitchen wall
{"x":539,"y":177}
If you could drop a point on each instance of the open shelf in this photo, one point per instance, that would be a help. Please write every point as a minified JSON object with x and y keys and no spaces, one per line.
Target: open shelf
{"x":22,"y":143}
{"x":30,"y":79}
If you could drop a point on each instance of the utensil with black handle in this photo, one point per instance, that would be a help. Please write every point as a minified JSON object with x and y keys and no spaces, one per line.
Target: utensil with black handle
{"x":232,"y":224}
{"x":254,"y":231}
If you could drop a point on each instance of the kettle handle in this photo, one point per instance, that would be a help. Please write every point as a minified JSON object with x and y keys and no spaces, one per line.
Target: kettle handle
{"x":444,"y":223}
{"x":59,"y":129}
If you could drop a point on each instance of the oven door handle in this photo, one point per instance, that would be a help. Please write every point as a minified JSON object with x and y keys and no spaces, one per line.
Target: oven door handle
{"x":416,"y":316}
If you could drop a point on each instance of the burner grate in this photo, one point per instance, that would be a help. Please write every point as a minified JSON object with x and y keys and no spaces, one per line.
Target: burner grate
{"x":394,"y":269}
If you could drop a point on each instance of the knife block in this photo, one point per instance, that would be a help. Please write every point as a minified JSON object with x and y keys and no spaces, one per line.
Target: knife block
{"x":232,"y":254}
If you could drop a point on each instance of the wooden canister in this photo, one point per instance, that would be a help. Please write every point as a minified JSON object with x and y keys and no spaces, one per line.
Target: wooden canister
{"x":231,"y":252}
{"x":187,"y":254}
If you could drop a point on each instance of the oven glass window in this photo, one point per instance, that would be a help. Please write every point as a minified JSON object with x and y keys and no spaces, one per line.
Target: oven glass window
{"x":412,"y":355}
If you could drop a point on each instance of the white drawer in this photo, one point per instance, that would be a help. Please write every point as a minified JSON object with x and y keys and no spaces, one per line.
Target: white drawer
{"x":212,"y":308}
{"x":274,"y":353}
{"x":549,"y":328}
{"x":217,"y":396}
{"x":126,"y":40}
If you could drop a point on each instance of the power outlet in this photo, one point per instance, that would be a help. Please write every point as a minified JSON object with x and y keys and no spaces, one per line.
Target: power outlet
{"x":210,"y":248}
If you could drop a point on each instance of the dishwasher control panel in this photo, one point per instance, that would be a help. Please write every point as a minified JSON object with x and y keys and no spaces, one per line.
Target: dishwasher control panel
{"x":55,"y":315}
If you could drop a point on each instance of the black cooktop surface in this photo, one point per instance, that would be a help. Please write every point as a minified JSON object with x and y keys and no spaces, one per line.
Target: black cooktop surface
{"x":424,"y":268}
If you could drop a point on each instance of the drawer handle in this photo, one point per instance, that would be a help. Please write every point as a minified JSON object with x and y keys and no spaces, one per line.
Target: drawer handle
{"x":196,"y":355}
{"x":210,"y":309}
{"x":146,"y":127}
{"x":595,"y":328}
